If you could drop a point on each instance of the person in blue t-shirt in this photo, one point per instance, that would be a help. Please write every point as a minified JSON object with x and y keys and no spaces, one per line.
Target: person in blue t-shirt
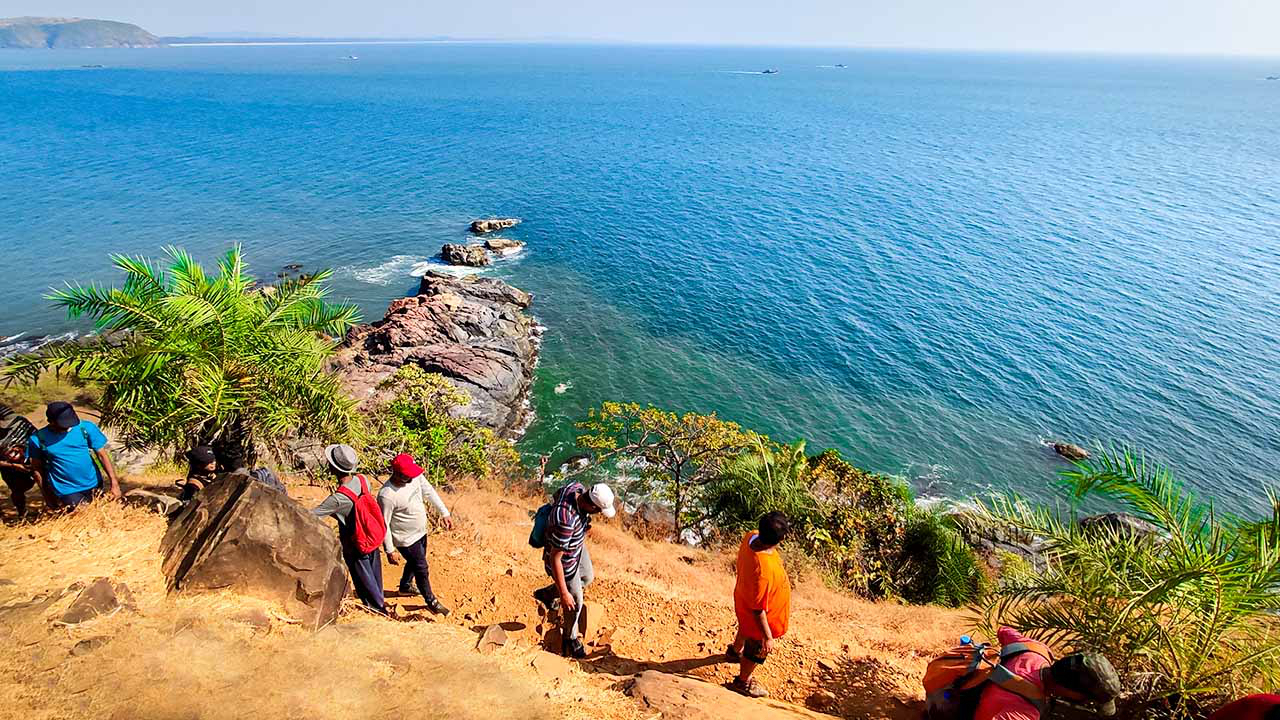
{"x":62,"y":457}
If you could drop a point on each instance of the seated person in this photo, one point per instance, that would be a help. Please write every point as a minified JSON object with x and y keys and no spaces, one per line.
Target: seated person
{"x":15,"y":432}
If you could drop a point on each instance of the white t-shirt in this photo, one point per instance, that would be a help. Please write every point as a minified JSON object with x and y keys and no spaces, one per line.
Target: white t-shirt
{"x":404,"y":509}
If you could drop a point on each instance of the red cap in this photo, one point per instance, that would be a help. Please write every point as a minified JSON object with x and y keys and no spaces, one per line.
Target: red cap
{"x":404,"y":464}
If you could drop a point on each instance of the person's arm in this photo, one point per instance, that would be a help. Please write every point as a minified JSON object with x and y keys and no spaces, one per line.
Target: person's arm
{"x":105,"y":458}
{"x":331,"y":507}
{"x":557,"y":574}
{"x":387,"y":504}
{"x":762,"y":619}
{"x":433,"y":497}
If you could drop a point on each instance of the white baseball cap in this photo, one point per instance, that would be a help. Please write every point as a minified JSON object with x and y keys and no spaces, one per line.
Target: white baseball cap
{"x":602,"y":496}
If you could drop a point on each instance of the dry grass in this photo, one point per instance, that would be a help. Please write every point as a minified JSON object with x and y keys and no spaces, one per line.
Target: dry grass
{"x":198,"y":657}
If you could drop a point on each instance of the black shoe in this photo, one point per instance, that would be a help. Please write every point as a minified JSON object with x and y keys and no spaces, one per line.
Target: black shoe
{"x":547,"y":597}
{"x":572,"y":648}
{"x":434,"y":606}
{"x":408,"y":588}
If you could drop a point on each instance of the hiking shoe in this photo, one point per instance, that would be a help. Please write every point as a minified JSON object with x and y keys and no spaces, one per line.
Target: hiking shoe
{"x":408,"y":588}
{"x":750,"y":688}
{"x":547,"y":597}
{"x":434,"y":606}
{"x":573,"y":648}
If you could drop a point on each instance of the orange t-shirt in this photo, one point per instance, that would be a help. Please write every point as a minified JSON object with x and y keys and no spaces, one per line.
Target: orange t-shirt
{"x":762,"y":585}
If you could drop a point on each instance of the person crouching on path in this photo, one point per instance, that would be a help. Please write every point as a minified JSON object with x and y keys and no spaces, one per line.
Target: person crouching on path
{"x":15,"y":433}
{"x":567,"y":559}
{"x":761,"y":600}
{"x":350,"y":507}
{"x":63,"y":455}
{"x":1083,"y":677}
{"x":403,"y":502}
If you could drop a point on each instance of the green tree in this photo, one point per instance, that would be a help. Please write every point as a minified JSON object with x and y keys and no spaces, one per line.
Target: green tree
{"x":765,"y":477}
{"x":182,"y":356}
{"x":676,"y":455}
{"x":1186,"y":612}
{"x":417,"y":418}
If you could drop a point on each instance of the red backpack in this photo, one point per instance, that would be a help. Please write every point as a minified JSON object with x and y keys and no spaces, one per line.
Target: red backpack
{"x":369,"y":527}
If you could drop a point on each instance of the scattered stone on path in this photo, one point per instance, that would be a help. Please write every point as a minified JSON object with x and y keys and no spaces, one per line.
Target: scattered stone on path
{"x":1070,"y":451}
{"x":591,"y":621}
{"x":88,"y":645}
{"x":550,"y":666}
{"x":679,"y":697}
{"x":494,"y":637}
{"x":163,"y":504}
{"x":101,"y":597}
{"x":825,"y":665}
{"x":822,"y":701}
{"x":456,"y":552}
{"x":255,"y":618}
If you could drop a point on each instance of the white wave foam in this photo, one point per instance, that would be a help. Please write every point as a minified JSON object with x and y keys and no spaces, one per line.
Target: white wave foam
{"x":389,"y":272}
{"x":563,"y":388}
{"x":422,"y":268}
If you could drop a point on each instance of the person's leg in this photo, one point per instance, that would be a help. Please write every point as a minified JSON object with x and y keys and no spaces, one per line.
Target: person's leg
{"x":569,"y":629}
{"x":366,"y":577}
{"x":753,"y":656}
{"x":374,"y":562}
{"x":406,"y":575}
{"x":415,"y":557}
{"x":75,"y":500}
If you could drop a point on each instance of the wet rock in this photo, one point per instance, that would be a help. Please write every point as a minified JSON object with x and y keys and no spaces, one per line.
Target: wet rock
{"x":503,"y":246}
{"x":100,"y":597}
{"x":1070,"y":451}
{"x":241,"y":535}
{"x":494,"y":637}
{"x":474,"y":331}
{"x":1121,"y":523}
{"x":488,"y":225}
{"x":459,"y":254}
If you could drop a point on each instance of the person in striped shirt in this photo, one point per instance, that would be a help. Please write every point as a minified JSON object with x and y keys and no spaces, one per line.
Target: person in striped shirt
{"x":566,"y":558}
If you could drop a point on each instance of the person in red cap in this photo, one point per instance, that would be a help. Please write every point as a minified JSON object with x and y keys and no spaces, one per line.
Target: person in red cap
{"x":403,"y":502}
{"x":1254,"y":707}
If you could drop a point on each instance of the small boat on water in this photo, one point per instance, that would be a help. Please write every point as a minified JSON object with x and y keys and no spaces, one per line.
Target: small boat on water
{"x":841,"y":65}
{"x":770,"y":71}
{"x":351,"y":57}
{"x":1273,"y":77}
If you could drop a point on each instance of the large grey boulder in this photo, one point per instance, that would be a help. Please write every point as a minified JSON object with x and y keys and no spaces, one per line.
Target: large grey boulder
{"x":241,"y":535}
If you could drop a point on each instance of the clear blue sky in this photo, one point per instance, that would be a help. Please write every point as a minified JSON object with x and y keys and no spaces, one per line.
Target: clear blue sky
{"x":1163,"y":26}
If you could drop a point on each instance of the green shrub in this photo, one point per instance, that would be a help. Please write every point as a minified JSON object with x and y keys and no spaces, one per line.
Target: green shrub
{"x":1188,"y":614}
{"x":936,"y":564}
{"x":417,"y":419}
{"x":765,"y":478}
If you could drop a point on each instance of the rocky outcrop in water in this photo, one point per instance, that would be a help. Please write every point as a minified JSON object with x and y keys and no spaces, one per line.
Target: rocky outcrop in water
{"x":460,"y":254}
{"x":474,"y":331}
{"x":503,"y":246}
{"x":1070,"y":451}
{"x":488,"y":225}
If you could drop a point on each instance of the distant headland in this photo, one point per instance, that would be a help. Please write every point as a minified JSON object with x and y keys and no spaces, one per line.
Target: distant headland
{"x":40,"y":32}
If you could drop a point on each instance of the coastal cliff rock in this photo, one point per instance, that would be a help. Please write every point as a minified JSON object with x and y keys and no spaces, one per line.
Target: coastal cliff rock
{"x":459,"y":254}
{"x":488,"y":225}
{"x":474,"y":331}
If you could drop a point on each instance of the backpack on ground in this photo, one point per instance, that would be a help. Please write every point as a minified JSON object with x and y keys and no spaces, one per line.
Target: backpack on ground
{"x":368,"y":525}
{"x":541,"y":519}
{"x":954,"y":680}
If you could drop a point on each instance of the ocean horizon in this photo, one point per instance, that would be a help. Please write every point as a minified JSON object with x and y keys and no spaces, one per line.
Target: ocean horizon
{"x":936,"y":262}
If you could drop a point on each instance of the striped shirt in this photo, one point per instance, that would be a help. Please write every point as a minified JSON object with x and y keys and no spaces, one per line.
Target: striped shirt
{"x":566,"y":529}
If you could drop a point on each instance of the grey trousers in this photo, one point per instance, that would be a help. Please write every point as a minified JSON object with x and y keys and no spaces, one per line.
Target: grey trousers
{"x":574,"y":621}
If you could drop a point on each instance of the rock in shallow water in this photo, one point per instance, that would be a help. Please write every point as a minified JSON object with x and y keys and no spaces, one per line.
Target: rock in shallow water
{"x":1070,"y":451}
{"x":488,"y":225}
{"x":459,"y":254}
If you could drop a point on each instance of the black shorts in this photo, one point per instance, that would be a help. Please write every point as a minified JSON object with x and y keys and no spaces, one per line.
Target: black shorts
{"x":19,"y":481}
{"x":753,"y":650}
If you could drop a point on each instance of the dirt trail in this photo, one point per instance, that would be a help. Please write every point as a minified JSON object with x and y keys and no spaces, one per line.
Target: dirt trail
{"x":670,"y":608}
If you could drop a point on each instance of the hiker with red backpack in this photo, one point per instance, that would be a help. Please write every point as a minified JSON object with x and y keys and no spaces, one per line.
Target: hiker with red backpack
{"x":1017,"y":681}
{"x":361,"y":528}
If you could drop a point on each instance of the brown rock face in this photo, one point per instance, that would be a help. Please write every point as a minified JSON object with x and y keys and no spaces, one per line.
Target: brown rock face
{"x":488,"y":225}
{"x":241,"y":535}
{"x":473,"y":331}
{"x":459,"y":254}
{"x":503,"y":246}
{"x":679,"y":697}
{"x":1070,"y":451}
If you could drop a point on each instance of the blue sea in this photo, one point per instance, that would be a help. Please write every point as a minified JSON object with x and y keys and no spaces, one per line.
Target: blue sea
{"x":935,"y":262}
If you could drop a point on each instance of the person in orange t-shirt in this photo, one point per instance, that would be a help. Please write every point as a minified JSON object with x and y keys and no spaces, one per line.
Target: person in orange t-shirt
{"x":761,"y":600}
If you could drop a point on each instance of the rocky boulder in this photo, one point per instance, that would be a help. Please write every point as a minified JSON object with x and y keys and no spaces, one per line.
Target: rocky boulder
{"x":678,"y":697}
{"x":241,"y":535}
{"x":459,"y":254}
{"x":488,"y":225}
{"x":1070,"y":451}
{"x":474,"y":331}
{"x":503,"y":246}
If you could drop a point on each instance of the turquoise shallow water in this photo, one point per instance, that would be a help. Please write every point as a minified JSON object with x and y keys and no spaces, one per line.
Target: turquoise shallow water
{"x":931,"y":261}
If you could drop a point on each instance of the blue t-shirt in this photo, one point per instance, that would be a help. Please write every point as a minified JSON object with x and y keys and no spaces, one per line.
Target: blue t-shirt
{"x":68,"y":456}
